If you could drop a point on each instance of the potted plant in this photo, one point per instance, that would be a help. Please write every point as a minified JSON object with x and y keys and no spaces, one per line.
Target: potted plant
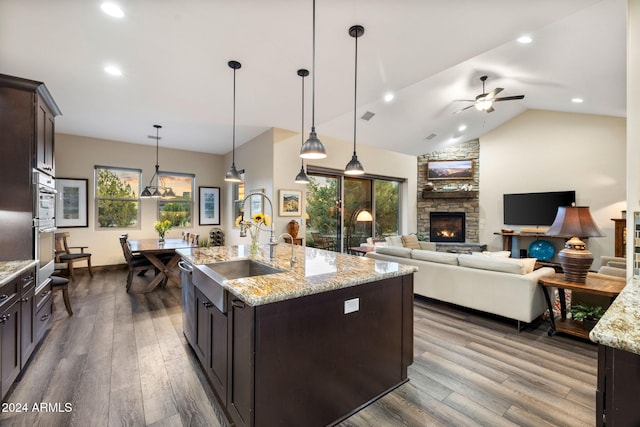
{"x":587,"y":314}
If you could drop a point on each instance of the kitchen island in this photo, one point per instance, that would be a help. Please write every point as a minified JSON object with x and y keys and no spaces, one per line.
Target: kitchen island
{"x":308,"y":344}
{"x":618,"y":336}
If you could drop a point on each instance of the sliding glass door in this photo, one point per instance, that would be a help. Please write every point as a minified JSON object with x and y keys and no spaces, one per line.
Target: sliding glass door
{"x":342,"y":212}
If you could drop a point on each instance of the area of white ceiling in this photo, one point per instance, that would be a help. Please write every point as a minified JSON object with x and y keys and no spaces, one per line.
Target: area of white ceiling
{"x":428,"y":52}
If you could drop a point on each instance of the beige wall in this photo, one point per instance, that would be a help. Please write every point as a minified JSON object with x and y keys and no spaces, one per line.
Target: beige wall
{"x":552,"y":151}
{"x":633,"y":119}
{"x":76,"y":157}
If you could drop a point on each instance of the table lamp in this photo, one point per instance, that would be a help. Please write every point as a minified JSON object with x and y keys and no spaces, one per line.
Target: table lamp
{"x":575,"y":223}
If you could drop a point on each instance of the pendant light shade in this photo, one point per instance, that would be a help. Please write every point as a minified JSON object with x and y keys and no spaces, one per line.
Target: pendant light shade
{"x":313,"y":147}
{"x":302,"y":177}
{"x":232,"y":174}
{"x":354,"y":167}
{"x":157,"y":190}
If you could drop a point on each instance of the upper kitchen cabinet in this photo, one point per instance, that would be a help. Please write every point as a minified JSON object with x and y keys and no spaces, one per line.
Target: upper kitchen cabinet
{"x":28,"y":127}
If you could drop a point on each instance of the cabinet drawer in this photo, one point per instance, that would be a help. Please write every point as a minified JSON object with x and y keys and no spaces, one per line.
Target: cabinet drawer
{"x":9,"y":293}
{"x":43,"y":317}
{"x":28,"y":279}
{"x":42,"y":293}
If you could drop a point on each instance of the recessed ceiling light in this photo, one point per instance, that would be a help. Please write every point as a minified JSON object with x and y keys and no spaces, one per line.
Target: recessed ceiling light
{"x":112,"y":9}
{"x":112,"y":70}
{"x":388,"y":97}
{"x":525,"y":39}
{"x":462,"y":128}
{"x":577,"y":100}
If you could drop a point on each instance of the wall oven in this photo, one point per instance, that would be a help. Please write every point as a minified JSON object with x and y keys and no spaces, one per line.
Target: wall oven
{"x":44,"y":225}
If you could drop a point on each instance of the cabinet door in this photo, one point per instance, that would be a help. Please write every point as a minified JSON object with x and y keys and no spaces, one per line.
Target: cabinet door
{"x":45,"y":132}
{"x":218,"y":349}
{"x":9,"y":346}
{"x":203,"y":328}
{"x":28,"y":339}
{"x":241,"y":362}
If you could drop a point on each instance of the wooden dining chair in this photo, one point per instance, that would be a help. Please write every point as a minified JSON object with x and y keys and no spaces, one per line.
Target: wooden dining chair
{"x":194,"y":239}
{"x":65,"y":255}
{"x":136,"y":263}
{"x":185,"y":236}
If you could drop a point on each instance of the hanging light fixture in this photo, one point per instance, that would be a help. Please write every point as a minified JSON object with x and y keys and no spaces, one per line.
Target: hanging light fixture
{"x":232,"y":174}
{"x":302,"y":177}
{"x":157,"y":190}
{"x":354,"y":167}
{"x":313,"y":148}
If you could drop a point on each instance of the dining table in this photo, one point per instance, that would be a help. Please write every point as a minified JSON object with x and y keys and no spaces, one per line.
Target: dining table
{"x":162,"y":255}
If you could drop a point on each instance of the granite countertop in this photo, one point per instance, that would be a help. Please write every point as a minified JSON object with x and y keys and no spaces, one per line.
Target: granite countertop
{"x":315,"y":271}
{"x":620,"y":326}
{"x":9,"y":270}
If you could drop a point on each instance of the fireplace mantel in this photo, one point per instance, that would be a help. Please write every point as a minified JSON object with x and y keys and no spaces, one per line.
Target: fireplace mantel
{"x":449,"y":194}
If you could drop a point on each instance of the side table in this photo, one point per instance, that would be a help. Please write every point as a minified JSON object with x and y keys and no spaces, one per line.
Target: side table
{"x":361,"y":250}
{"x":597,"y":284}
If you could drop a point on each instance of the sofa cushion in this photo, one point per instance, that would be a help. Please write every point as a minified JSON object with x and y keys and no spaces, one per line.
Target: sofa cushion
{"x":395,"y":251}
{"x":430,"y":246}
{"x":410,"y":242}
{"x":505,"y":265}
{"x":394,"y":241}
{"x":498,"y":254}
{"x":433,"y":256}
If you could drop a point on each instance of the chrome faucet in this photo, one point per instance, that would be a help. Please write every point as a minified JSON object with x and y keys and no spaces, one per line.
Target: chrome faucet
{"x":243,"y":226}
{"x":272,"y":248}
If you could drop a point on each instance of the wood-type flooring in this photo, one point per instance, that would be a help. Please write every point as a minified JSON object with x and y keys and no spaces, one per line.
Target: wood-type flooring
{"x":122,"y":360}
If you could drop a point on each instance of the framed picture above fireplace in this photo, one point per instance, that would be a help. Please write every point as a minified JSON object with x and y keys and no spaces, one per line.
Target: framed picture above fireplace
{"x":450,"y":169}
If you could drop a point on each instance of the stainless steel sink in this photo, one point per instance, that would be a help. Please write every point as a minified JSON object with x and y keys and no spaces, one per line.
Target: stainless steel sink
{"x":209,"y":277}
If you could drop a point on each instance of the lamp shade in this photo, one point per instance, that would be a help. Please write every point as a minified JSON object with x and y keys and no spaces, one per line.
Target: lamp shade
{"x":574,"y":221}
{"x":364,"y":216}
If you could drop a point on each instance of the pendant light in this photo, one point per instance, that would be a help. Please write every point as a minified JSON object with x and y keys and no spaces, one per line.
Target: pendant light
{"x":354,"y":167}
{"x":232,"y":174}
{"x":155,"y":190}
{"x":302,"y":177}
{"x":313,"y":148}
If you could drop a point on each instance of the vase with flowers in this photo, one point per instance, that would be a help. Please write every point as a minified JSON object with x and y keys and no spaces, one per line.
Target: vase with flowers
{"x":257,"y":223}
{"x":162,"y":227}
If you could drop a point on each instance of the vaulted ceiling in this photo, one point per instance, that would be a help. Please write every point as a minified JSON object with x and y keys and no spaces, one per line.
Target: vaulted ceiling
{"x":428,"y":53}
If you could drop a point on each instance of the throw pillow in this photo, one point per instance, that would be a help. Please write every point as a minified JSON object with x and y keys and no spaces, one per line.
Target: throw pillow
{"x":499,"y":254}
{"x":433,"y":256}
{"x":394,"y":241}
{"x":430,"y":246}
{"x":410,"y":242}
{"x":395,"y":251}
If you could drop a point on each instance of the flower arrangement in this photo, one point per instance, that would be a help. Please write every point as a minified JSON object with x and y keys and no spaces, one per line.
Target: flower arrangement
{"x":254,"y":225}
{"x":162,"y":227}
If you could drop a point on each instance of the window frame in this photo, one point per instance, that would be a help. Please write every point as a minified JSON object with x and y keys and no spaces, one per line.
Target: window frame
{"x":136,"y":199}
{"x":191,"y":201}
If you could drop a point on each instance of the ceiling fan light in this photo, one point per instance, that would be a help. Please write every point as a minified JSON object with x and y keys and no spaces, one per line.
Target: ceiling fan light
{"x":313,"y":147}
{"x":354,"y":167}
{"x":233,"y":175}
{"x":484,"y":104}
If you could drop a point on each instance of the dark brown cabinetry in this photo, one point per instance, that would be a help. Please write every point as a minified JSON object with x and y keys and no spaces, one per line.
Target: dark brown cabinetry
{"x":618,"y":387}
{"x":307,"y":360}
{"x":27,"y":126}
{"x":24,"y":318}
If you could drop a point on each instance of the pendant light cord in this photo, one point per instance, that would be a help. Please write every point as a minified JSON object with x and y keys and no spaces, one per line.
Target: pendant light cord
{"x":355,"y":96}
{"x":233,"y":154}
{"x":313,"y":76}
{"x":302,"y":126}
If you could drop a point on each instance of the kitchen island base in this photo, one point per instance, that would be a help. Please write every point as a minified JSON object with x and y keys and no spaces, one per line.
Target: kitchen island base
{"x":312,"y":360}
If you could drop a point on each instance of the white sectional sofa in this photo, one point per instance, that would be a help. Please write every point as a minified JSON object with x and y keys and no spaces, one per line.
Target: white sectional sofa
{"x":506,"y":287}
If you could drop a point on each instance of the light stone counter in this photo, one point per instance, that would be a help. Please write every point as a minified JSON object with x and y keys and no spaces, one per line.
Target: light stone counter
{"x":9,"y":270}
{"x":620,"y":326}
{"x":315,"y":271}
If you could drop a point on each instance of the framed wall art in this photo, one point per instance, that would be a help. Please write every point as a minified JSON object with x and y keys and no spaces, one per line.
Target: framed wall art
{"x":209,"y":206}
{"x":72,"y":204}
{"x":450,"y":169}
{"x":290,"y":203}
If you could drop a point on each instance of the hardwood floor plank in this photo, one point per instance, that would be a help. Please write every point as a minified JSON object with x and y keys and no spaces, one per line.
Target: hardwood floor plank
{"x":480,"y":414}
{"x":157,"y":395}
{"x":126,"y":408}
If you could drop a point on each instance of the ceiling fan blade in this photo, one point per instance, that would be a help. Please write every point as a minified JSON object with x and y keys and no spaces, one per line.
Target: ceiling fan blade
{"x":465,"y":108}
{"x":509,"y":98}
{"x":494,"y":92}
{"x":464,"y":100}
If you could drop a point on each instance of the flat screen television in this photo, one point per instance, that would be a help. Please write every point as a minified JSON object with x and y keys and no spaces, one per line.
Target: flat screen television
{"x":535,"y":208}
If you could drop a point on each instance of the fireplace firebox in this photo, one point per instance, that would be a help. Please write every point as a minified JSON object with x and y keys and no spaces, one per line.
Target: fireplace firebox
{"x":447,"y":227}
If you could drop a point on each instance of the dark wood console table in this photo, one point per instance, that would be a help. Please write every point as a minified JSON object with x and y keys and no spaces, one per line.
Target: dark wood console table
{"x":597,"y":284}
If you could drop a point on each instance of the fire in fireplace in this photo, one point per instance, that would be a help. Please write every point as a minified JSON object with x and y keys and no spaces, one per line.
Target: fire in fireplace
{"x":447,"y":227}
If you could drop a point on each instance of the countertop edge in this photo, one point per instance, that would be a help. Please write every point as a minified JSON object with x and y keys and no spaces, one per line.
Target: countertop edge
{"x":9,"y":270}
{"x":620,"y":326}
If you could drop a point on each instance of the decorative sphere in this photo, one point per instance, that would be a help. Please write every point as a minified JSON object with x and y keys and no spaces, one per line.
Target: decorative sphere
{"x":429,"y":186}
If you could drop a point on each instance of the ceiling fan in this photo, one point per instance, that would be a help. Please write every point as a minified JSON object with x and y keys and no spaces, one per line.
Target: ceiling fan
{"x":484,"y":101}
